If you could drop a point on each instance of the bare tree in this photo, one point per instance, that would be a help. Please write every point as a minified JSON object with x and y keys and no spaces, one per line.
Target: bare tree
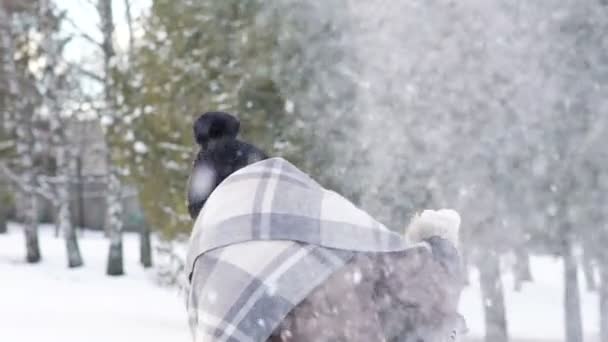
{"x":114,"y":223}
{"x":21,"y":119}
{"x":52,"y":85}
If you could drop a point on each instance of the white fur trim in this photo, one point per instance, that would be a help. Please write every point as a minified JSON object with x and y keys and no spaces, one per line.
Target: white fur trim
{"x":444,"y":223}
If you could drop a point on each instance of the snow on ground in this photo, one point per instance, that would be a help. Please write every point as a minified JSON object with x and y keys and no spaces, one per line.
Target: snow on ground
{"x":48,"y":302}
{"x":536,"y":313}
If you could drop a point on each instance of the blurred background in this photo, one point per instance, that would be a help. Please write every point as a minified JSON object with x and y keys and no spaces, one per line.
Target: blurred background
{"x":495,"y":108}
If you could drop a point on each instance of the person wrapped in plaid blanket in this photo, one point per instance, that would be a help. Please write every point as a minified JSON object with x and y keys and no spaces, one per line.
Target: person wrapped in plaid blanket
{"x":274,"y":256}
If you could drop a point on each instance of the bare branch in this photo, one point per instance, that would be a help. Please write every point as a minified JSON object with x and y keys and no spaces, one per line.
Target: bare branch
{"x":90,"y":40}
{"x":90,"y":2}
{"x":22,"y":186}
{"x":87,"y":73}
{"x":129,"y":18}
{"x":51,"y":180}
{"x":45,"y":190}
{"x":83,"y":34}
{"x":12,"y":177}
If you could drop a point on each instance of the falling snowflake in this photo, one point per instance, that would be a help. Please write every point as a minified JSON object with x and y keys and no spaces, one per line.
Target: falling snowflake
{"x":140,"y":147}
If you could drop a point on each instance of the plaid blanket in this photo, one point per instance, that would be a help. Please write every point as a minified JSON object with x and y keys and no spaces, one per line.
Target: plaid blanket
{"x":267,"y":237}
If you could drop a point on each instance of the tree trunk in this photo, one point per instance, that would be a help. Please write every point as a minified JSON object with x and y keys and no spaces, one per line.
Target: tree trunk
{"x":3,"y":218}
{"x":114,"y":225}
{"x":115,"y":262}
{"x":603,"y":302}
{"x":589,"y":272}
{"x":522,"y":271}
{"x":30,"y":207}
{"x":56,"y":220}
{"x":114,"y":205}
{"x":80,"y":193}
{"x":493,"y":298}
{"x":66,"y":226}
{"x":572,"y":301}
{"x":51,"y":97}
{"x":129,"y":19}
{"x":21,"y":118}
{"x":7,"y":65}
{"x":30,"y":228}
{"x":71,"y":244}
{"x":145,"y":247}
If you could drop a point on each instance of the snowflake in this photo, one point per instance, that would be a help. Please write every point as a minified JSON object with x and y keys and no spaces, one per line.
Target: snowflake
{"x":140,"y":147}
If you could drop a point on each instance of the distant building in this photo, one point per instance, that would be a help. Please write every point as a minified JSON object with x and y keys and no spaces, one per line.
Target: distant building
{"x":89,"y":199}
{"x":88,"y":194}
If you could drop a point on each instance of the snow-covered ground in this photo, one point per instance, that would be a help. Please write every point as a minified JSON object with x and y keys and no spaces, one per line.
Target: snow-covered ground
{"x":48,"y":302}
{"x":536,"y":313}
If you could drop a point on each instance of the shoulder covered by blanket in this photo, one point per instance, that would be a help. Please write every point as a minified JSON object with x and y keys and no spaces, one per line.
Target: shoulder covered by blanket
{"x":267,"y":236}
{"x":274,"y":200}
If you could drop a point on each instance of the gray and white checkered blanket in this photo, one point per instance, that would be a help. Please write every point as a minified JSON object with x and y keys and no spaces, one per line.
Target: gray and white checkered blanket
{"x":267,"y":237}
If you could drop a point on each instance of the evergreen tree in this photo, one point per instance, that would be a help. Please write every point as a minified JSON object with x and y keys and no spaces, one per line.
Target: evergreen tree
{"x":194,"y":57}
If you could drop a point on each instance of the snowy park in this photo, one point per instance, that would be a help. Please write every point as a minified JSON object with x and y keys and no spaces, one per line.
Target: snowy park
{"x":49,"y":302}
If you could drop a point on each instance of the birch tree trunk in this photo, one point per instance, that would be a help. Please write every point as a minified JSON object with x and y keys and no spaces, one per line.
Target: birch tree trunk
{"x":114,"y":211}
{"x":64,"y":214}
{"x":7,"y":66}
{"x":115,"y":224}
{"x":30,"y":208}
{"x":22,"y":114}
{"x":51,"y":97}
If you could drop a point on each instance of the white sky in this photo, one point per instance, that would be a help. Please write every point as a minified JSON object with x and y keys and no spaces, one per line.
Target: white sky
{"x":84,"y":14}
